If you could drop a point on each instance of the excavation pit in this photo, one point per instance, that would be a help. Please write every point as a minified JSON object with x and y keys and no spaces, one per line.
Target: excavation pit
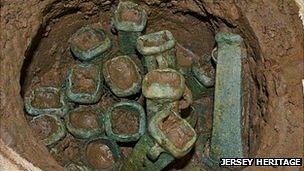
{"x":271,"y":70}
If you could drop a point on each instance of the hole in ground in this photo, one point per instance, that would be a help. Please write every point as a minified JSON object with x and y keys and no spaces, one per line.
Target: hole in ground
{"x":49,"y":58}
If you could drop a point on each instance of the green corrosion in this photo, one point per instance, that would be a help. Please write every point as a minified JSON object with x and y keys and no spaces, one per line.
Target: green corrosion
{"x":55,"y":136}
{"x":131,"y":106}
{"x":160,"y":95}
{"x":127,"y":41}
{"x":84,"y":97}
{"x":129,"y":29}
{"x":228,"y":105}
{"x":114,"y":148}
{"x":140,"y":161}
{"x":34,"y":111}
{"x":85,"y":133}
{"x":158,"y":50}
{"x":164,"y":144}
{"x":198,"y":81}
{"x":99,"y":50}
{"x":119,"y":92}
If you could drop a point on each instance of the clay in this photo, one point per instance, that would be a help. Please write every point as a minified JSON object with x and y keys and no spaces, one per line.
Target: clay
{"x":86,"y":119}
{"x":99,"y":155}
{"x":124,"y":121}
{"x":46,"y":100}
{"x":68,"y":150}
{"x":87,"y":40}
{"x":165,"y":78}
{"x":84,"y":80}
{"x":130,"y":15}
{"x":123,"y":73}
{"x":175,"y":132}
{"x":43,"y":127}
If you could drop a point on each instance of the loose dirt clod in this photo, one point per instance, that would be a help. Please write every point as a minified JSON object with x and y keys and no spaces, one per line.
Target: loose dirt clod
{"x":124,"y":121}
{"x":99,"y":155}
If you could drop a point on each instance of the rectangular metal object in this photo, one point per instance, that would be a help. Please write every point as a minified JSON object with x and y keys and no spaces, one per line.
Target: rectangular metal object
{"x":228,"y":104}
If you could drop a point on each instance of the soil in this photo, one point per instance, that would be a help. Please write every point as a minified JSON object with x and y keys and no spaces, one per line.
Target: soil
{"x":186,"y":99}
{"x":86,"y":119}
{"x":45,"y":100}
{"x":107,"y":99}
{"x":84,"y":80}
{"x":204,"y":125}
{"x":126,"y":151}
{"x":272,"y":31}
{"x":124,"y":121}
{"x":68,"y":150}
{"x":184,"y":57}
{"x":43,"y":127}
{"x":123,"y":73}
{"x":87,"y":40}
{"x":188,"y":30}
{"x":175,"y":132}
{"x":130,"y":15}
{"x":158,"y":40}
{"x":164,"y":78}
{"x":99,"y":155}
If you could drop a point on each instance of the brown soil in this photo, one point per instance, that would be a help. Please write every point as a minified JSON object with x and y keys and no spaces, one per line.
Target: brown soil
{"x":123,"y":73}
{"x":156,"y":41}
{"x":188,"y":30}
{"x":99,"y":155}
{"x":107,"y":99}
{"x":164,"y":78}
{"x":204,"y":126}
{"x":175,"y":132}
{"x":184,"y":57}
{"x":87,"y":40}
{"x":206,"y":67}
{"x":124,"y":121}
{"x":84,"y":80}
{"x":86,"y":119}
{"x":43,"y":127}
{"x":126,"y":151}
{"x":46,"y":100}
{"x":68,"y":150}
{"x":130,"y":15}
